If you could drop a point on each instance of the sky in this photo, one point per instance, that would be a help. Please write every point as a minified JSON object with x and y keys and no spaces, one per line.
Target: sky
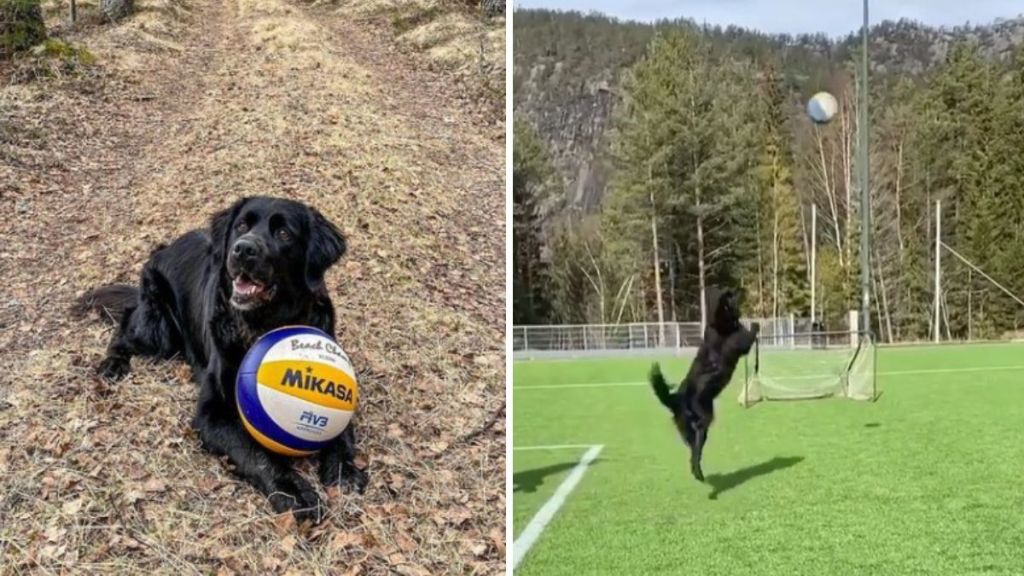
{"x":836,"y":18}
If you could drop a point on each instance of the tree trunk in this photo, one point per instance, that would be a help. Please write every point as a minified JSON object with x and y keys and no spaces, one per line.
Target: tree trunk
{"x":775,"y":264}
{"x":701,"y":281}
{"x":657,"y":267}
{"x":672,"y":260}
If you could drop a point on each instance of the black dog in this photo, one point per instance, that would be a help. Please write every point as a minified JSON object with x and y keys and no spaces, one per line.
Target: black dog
{"x":693,"y":404}
{"x":207,"y":297}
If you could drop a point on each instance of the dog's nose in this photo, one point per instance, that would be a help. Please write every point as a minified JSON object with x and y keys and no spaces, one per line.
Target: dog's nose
{"x":245,"y":249}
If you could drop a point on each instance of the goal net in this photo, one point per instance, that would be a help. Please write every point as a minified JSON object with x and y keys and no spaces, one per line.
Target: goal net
{"x":810,"y":365}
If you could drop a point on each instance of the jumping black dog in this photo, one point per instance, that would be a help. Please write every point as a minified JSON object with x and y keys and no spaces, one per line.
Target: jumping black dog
{"x":693,"y":404}
{"x":207,"y":297}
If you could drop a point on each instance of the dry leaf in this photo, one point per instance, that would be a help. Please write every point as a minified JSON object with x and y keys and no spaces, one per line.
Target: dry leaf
{"x":72,"y":507}
{"x":353,"y":571}
{"x":288,"y":544}
{"x":155,"y":485}
{"x":285,"y":523}
{"x":270,"y":563}
{"x":479,"y":549}
{"x":497,"y":536}
{"x":55,"y":533}
{"x":404,"y":542}
{"x":343,"y":540}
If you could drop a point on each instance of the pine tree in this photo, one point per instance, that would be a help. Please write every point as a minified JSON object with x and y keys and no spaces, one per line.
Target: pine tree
{"x":531,"y":181}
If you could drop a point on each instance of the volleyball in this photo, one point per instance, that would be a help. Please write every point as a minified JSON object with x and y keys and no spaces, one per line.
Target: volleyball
{"x":822,"y":107}
{"x":296,"y":390}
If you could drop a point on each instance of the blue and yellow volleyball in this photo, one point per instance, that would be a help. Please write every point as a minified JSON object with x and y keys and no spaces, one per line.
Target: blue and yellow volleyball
{"x":296,"y":390}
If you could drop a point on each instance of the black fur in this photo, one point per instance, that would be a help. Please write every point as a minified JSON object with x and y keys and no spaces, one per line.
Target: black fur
{"x":207,"y":297}
{"x":693,"y":404}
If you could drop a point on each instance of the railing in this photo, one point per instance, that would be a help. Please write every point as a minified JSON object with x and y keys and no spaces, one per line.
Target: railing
{"x":557,"y":340}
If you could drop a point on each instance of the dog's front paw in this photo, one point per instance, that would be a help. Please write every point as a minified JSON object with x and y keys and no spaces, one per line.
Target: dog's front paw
{"x":346,"y":476}
{"x":298,"y":496}
{"x":113,"y":369}
{"x":354,"y":480}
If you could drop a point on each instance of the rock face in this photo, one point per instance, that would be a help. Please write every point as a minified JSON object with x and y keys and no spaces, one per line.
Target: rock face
{"x":116,"y":9}
{"x":21,"y":26}
{"x":568,"y":69}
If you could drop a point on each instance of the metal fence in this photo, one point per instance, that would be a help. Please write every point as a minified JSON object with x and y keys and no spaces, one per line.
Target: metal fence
{"x":647,"y":338}
{"x":606,"y":337}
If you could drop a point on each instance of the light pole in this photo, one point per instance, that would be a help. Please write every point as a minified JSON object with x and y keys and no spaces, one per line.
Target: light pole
{"x":865,"y":189}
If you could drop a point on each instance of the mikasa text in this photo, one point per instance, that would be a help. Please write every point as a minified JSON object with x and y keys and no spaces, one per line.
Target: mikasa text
{"x":294,"y":378}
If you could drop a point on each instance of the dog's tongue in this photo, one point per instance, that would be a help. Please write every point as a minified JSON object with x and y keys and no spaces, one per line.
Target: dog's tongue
{"x":243,"y":285}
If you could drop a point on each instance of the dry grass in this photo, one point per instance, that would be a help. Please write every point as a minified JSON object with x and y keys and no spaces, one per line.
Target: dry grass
{"x":193,"y":104}
{"x":450,"y":34}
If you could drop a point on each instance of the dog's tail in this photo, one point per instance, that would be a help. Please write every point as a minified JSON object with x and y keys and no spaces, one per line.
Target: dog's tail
{"x":661,"y":389}
{"x":108,"y":301}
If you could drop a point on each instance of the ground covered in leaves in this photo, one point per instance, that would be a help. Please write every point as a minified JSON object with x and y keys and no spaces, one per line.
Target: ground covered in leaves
{"x":189,"y":105}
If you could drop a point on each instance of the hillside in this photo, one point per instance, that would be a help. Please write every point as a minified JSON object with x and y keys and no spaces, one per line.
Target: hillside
{"x":567,"y":67}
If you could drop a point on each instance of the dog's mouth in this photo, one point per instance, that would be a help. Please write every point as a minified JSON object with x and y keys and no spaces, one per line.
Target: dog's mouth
{"x":248,"y":293}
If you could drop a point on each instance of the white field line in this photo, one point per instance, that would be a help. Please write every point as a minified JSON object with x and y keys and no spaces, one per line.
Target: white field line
{"x":528,"y":537}
{"x":555,"y":447}
{"x":802,"y":377}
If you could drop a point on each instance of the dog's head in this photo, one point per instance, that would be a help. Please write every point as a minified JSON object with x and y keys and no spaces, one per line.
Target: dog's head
{"x":273,"y":250}
{"x":725,"y":307}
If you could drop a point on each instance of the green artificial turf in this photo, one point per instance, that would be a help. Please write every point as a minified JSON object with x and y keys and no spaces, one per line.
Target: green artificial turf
{"x":927,"y":480}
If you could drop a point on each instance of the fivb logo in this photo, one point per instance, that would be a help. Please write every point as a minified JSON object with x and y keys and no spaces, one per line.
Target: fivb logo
{"x":313,"y":419}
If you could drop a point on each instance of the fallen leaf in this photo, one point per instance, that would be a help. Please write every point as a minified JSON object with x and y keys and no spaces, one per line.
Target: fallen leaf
{"x":155,"y":485}
{"x":404,"y":542}
{"x":288,"y":544}
{"x":285,"y":523}
{"x":497,"y":536}
{"x":270,"y":563}
{"x":55,"y":533}
{"x":72,"y":507}
{"x":343,"y":540}
{"x":479,"y":549}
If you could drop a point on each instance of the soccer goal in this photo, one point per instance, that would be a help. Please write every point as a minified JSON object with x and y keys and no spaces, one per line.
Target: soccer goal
{"x":810,"y":365}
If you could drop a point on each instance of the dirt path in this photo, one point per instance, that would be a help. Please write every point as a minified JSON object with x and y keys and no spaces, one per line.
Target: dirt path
{"x":194,"y":105}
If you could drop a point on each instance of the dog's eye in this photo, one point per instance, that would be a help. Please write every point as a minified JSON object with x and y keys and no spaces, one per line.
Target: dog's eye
{"x":284,"y":235}
{"x":242,"y":227}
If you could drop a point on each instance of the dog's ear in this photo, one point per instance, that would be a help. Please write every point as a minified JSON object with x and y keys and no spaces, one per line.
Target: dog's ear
{"x":220,"y":229}
{"x":326,"y":246}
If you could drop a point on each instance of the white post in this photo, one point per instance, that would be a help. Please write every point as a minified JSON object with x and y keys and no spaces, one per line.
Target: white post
{"x":526,"y":341}
{"x":792,"y":330}
{"x":938,"y":256}
{"x":814,"y":253}
{"x":854,"y":327}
